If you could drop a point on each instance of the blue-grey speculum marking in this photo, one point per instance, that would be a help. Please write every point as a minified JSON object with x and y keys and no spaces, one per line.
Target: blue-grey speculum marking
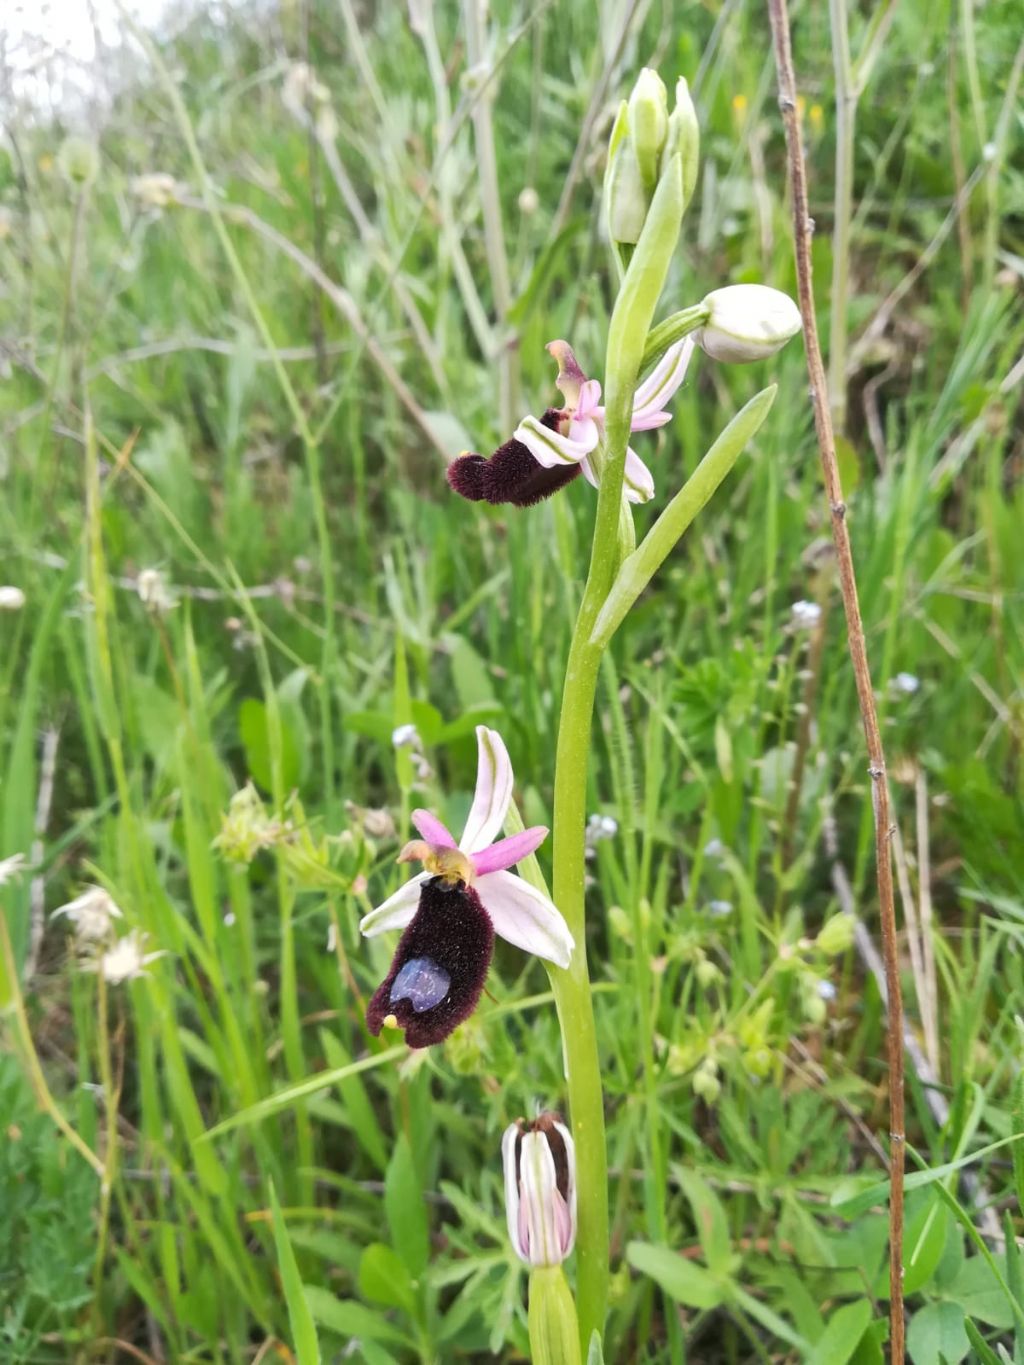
{"x":422,"y":982}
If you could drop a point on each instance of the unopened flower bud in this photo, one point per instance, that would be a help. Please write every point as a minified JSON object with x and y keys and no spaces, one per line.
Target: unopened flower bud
{"x":684,"y":137}
{"x":540,"y":1189}
{"x":708,"y":972}
{"x":628,"y":200}
{"x":648,"y":124}
{"x":11,"y":598}
{"x":747,"y":322}
{"x":79,"y":161}
{"x":836,"y":935}
{"x":706,"y":1085}
{"x":529,"y":201}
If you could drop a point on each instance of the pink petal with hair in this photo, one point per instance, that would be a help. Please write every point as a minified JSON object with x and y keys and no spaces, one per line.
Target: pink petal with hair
{"x":432,"y":830}
{"x":508,"y":852}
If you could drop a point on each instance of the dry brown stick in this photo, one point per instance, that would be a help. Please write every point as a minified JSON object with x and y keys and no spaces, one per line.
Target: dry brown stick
{"x":802,"y":229}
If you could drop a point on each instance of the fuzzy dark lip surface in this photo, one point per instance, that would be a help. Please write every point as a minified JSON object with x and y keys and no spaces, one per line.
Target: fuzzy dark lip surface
{"x":511,"y":475}
{"x":452,"y":927}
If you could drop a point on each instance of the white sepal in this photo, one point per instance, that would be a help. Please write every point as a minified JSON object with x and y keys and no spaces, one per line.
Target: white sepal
{"x":524,"y":916}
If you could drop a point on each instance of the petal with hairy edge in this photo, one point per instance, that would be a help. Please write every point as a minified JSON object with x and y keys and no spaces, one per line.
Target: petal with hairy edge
{"x":508,"y":852}
{"x":432,"y":830}
{"x":524,"y":916}
{"x":397,"y":911}
{"x":550,"y":448}
{"x":662,"y":382}
{"x":638,"y":485}
{"x":493,"y":792}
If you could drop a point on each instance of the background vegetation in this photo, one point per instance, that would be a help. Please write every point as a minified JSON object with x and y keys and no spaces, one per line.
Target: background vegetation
{"x":253,"y":389}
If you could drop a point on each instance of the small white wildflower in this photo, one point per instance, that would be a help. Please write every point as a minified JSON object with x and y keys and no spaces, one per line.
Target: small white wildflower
{"x":905,"y":684}
{"x":529,"y":201}
{"x":424,"y":772}
{"x":600,"y":827}
{"x":154,"y":593}
{"x":229,"y":919}
{"x":714,"y":848}
{"x":720,"y":908}
{"x":156,"y":189}
{"x":11,"y":868}
{"x":126,"y":960}
{"x":405,"y":737}
{"x":11,"y":598}
{"x":805,"y":615}
{"x":92,"y":913}
{"x":826,"y":990}
{"x":301,"y":88}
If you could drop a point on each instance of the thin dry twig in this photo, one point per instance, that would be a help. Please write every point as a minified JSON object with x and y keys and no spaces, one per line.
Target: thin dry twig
{"x":802,"y":229}
{"x":44,"y":801}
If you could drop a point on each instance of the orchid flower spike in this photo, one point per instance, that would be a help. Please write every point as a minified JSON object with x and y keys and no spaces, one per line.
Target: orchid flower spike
{"x":451,"y":911}
{"x":539,"y":1161}
{"x":545,"y":453}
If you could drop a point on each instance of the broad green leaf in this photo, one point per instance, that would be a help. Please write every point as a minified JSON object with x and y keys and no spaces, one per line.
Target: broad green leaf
{"x":254,"y":730}
{"x":842,"y":1335}
{"x":406,"y":1210}
{"x":978,"y":1292}
{"x":709,"y":1215}
{"x":384,"y":1279}
{"x":681,"y":1279}
{"x":348,"y":1318}
{"x":936,"y":1335}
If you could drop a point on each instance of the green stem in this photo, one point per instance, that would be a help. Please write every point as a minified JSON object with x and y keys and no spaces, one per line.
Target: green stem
{"x":627,"y":335}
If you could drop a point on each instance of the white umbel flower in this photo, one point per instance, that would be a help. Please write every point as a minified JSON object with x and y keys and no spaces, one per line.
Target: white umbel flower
{"x":92,"y":913}
{"x":126,"y":960}
{"x":154,"y":593}
{"x":747,"y":322}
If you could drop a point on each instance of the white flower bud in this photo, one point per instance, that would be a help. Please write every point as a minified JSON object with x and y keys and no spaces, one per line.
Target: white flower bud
{"x":540,"y":1190}
{"x":747,"y":322}
{"x":11,"y":598}
{"x":628,"y":200}
{"x":648,"y":123}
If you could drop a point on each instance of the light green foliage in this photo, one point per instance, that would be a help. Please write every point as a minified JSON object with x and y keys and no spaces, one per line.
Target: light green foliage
{"x":245,"y":388}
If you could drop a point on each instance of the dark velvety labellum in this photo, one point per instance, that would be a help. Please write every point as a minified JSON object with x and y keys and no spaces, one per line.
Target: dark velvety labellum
{"x":450,"y":935}
{"x":511,"y":474}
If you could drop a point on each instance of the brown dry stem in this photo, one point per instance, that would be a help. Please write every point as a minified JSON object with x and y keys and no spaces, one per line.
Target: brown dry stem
{"x":803,"y":227}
